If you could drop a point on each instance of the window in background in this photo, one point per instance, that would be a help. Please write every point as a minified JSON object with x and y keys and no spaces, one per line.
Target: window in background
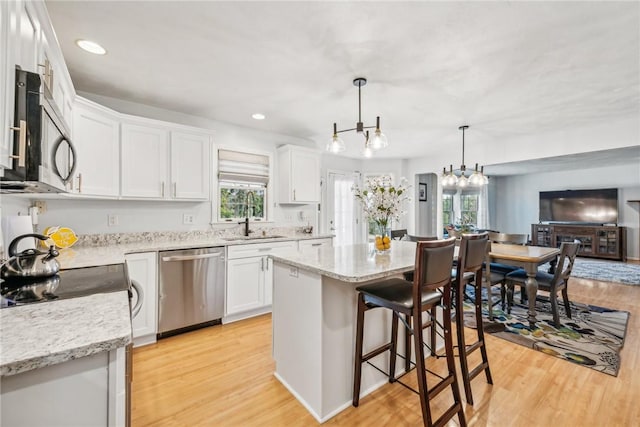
{"x":242,"y":184}
{"x":469,"y":208}
{"x":447,"y":209}
{"x":234,"y":198}
{"x":462,"y":209}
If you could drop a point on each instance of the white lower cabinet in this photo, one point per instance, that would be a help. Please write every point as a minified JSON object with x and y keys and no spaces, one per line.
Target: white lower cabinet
{"x":89,"y":391}
{"x":250,"y":278}
{"x":245,"y":290}
{"x":143,"y":269}
{"x":312,"y":244}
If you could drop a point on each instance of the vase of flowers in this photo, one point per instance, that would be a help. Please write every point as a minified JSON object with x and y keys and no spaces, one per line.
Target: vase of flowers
{"x":381,"y":202}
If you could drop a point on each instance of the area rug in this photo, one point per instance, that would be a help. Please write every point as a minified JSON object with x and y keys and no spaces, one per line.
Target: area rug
{"x":607,"y":271}
{"x":593,"y":337}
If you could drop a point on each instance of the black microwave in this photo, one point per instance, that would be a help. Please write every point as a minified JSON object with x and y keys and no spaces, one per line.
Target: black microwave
{"x":43,"y":159}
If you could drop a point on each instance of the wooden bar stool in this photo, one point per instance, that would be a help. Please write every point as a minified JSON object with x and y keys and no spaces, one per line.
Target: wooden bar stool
{"x":408,"y":301}
{"x":472,"y":253}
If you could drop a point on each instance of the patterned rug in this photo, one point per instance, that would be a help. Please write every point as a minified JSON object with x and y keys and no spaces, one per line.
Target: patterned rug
{"x":608,"y":271}
{"x":593,"y":337}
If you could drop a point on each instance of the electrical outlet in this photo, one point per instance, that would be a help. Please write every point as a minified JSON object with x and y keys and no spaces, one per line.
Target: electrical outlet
{"x":112,"y":220}
{"x":293,"y":271}
{"x":187,"y":219}
{"x":42,"y":206}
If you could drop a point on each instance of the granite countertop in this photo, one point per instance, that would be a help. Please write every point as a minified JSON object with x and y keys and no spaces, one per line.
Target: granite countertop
{"x":43,"y":334}
{"x":89,"y":256}
{"x":37,"y":335}
{"x":355,"y":263}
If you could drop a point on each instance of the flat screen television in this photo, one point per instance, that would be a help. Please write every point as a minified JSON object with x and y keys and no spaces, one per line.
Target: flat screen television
{"x":580,"y":206}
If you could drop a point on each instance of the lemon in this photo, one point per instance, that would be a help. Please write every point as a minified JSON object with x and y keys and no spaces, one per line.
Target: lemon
{"x":62,"y":237}
{"x":386,"y":240}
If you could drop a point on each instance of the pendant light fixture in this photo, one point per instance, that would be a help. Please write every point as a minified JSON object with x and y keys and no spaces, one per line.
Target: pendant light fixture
{"x":458,"y":178}
{"x":377,"y":142}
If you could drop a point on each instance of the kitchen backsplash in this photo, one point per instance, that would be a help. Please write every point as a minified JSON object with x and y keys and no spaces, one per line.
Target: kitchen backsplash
{"x":163,"y":236}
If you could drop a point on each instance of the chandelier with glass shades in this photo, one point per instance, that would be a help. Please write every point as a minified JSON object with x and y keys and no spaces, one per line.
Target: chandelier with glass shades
{"x":460,"y":178}
{"x":377,"y":142}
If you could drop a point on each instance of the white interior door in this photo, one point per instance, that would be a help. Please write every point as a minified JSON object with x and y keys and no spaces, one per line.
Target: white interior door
{"x":343,"y":213}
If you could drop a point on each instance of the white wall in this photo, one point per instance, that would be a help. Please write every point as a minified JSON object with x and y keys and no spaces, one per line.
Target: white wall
{"x":14,"y":205}
{"x":516,"y":197}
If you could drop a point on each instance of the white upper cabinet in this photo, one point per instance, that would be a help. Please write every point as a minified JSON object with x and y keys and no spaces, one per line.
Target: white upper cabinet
{"x":27,"y":40}
{"x":6,"y":86}
{"x":19,"y":45}
{"x":133,"y":157}
{"x":144,"y":163}
{"x":161,"y":163}
{"x":298,"y":175}
{"x":27,"y":36}
{"x":190,"y":165}
{"x":52,"y":72}
{"x":97,"y":140}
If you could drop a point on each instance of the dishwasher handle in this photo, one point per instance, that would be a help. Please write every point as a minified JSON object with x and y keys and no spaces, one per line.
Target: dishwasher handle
{"x":139,"y":301}
{"x":190,"y":257}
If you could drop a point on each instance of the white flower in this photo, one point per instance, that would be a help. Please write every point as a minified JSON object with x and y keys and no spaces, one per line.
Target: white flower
{"x":381,"y":201}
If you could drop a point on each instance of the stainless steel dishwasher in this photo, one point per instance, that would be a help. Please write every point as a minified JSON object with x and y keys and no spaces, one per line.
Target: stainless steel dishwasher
{"x":191,"y":289}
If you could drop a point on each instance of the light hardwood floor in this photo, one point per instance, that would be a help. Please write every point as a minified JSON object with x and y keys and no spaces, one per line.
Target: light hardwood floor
{"x":223,"y":376}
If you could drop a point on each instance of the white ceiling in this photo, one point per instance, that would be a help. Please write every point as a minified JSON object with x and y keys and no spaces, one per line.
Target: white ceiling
{"x":508,"y":69}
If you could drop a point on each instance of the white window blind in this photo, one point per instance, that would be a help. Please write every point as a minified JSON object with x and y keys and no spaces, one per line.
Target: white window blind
{"x":236,"y":166}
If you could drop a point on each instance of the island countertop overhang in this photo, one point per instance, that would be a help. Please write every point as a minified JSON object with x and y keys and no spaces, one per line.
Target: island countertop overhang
{"x":353,"y":263}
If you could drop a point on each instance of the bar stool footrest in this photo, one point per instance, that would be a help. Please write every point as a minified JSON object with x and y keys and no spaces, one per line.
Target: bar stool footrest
{"x":477,"y":370}
{"x":373,"y":353}
{"x":448,"y":415}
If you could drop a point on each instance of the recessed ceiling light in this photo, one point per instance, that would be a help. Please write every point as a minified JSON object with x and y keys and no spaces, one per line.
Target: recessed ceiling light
{"x":91,"y":47}
{"x":258,"y":116}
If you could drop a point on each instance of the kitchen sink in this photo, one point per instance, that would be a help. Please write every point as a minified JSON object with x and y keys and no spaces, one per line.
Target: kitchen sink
{"x":259,"y":237}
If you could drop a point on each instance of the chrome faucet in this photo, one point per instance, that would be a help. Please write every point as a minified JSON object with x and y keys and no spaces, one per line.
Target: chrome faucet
{"x":249,"y":204}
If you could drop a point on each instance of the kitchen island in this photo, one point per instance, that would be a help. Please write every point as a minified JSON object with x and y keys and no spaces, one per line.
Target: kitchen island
{"x":314,"y":321}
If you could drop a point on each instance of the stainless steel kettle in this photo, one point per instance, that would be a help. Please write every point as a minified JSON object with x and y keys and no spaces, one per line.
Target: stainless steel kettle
{"x":30,"y":263}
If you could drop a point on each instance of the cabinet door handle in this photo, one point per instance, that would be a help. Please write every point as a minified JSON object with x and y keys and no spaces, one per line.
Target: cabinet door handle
{"x":190,"y":257}
{"x":80,"y":183}
{"x":294,"y":195}
{"x":47,"y":74}
{"x":22,"y":145}
{"x":162,"y":188}
{"x":316,"y":244}
{"x":175,"y":190}
{"x":261,"y":264}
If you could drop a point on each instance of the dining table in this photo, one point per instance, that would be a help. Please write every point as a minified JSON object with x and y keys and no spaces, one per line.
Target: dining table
{"x":528,"y":258}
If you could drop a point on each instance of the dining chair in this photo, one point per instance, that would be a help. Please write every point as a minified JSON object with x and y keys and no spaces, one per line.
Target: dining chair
{"x":413,"y":238}
{"x":398,"y":234}
{"x":551,"y":283}
{"x":472,"y":253}
{"x":408,"y":301}
{"x":499,"y":271}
